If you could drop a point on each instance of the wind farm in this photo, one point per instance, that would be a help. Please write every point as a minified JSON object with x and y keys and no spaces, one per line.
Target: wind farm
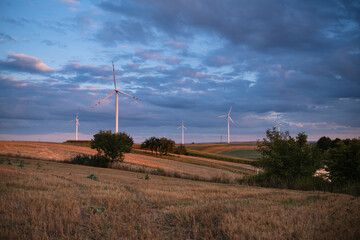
{"x":156,"y":87}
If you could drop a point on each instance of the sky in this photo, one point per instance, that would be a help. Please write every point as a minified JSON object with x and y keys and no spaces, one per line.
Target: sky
{"x":190,"y":60}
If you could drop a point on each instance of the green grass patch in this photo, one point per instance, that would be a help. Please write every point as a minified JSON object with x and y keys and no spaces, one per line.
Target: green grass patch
{"x":222,"y":157}
{"x":243,"y":153}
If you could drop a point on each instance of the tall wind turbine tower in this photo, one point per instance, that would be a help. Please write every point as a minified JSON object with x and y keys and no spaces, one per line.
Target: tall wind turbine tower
{"x":228,"y":124}
{"x":182,"y":132}
{"x":76,"y":120}
{"x":278,"y":124}
{"x":117,"y":101}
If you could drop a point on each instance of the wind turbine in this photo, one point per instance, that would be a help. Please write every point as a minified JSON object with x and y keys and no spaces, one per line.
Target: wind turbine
{"x":117,"y":100}
{"x":278,"y":124}
{"x":76,"y":120}
{"x":182,"y":131}
{"x":228,"y":125}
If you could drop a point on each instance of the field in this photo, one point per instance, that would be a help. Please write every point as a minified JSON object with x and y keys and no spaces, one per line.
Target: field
{"x":187,"y":166}
{"x":239,"y":150}
{"x":42,"y":199}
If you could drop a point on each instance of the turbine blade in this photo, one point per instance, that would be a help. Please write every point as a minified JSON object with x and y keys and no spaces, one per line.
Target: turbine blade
{"x":230,"y":109}
{"x":128,"y":95}
{"x":232,"y":120}
{"x":104,"y":98}
{"x":114,"y":75}
{"x":223,"y":116}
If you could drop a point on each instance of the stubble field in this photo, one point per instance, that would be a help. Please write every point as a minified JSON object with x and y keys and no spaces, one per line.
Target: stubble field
{"x":42,"y":199}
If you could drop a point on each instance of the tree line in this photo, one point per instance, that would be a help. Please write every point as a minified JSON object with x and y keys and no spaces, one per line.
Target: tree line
{"x":292,"y":162}
{"x":285,"y":161}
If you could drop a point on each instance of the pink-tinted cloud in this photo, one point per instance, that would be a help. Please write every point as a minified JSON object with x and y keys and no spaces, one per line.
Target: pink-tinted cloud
{"x":178,"y":45}
{"x":173,"y":60}
{"x":70,"y":2}
{"x":24,"y":63}
{"x":148,"y":54}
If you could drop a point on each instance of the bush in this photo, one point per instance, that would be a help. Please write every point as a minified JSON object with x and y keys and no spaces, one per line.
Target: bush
{"x":181,"y":149}
{"x":112,"y":145}
{"x":89,"y":160}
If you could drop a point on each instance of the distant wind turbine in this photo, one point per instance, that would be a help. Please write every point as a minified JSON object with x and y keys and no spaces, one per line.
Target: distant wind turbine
{"x":278,"y":124}
{"x":228,"y":125}
{"x":117,"y":100}
{"x":76,"y":120}
{"x":182,"y":132}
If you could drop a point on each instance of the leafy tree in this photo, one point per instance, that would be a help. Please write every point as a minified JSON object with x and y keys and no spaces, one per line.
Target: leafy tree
{"x":151,"y":144}
{"x":166,"y":146}
{"x":324,"y":143}
{"x":335,"y":142}
{"x":284,"y":157}
{"x":112,"y":145}
{"x":343,"y":162}
{"x":159,"y":145}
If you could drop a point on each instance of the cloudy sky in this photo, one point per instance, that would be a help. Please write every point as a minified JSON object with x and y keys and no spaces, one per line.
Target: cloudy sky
{"x":186,"y":60}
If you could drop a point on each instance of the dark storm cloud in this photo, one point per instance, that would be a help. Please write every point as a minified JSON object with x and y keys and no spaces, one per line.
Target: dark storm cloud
{"x":261,"y":25}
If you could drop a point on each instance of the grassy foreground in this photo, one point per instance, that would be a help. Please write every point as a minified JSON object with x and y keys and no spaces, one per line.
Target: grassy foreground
{"x":51,"y":200}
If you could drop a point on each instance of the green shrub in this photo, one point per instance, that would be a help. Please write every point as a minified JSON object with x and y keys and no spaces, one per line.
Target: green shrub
{"x":91,"y":160}
{"x":181,"y":149}
{"x":92,"y":177}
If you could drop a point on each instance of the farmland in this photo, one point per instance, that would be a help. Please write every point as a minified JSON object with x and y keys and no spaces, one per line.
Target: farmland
{"x":50,"y":199}
{"x":239,"y":150}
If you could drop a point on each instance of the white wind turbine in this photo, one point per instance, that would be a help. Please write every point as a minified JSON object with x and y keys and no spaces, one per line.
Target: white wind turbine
{"x":228,"y":125}
{"x":182,"y":132}
{"x":117,"y":100}
{"x":278,"y":124}
{"x":76,"y":120}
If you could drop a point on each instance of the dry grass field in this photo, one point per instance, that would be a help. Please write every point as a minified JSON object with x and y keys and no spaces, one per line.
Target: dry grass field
{"x":51,"y":200}
{"x":185,"y":165}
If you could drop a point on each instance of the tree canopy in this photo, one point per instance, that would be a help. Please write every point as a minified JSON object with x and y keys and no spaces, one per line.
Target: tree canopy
{"x":162,"y":146}
{"x":343,"y":161}
{"x":112,"y":145}
{"x":285,"y":157}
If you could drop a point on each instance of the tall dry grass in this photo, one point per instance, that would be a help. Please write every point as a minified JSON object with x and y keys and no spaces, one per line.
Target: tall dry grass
{"x":50,"y":200}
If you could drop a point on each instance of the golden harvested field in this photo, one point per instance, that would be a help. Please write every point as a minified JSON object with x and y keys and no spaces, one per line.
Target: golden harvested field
{"x":61,"y":152}
{"x":53,"y":200}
